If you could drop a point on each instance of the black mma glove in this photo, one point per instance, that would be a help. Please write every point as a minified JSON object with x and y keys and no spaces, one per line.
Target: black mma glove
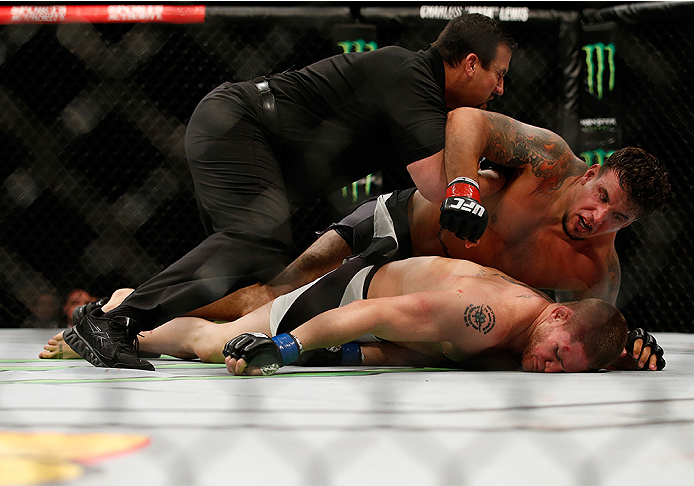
{"x":461,"y":211}
{"x":346,"y":355}
{"x":261,"y":351}
{"x":648,"y":341}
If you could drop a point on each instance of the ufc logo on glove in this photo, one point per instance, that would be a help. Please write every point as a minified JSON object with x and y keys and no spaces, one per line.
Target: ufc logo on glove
{"x":462,"y":212}
{"x":468,"y":205}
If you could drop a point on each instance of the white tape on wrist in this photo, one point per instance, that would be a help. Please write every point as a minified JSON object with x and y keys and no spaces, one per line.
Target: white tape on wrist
{"x":466,"y":180}
{"x":298,"y":343}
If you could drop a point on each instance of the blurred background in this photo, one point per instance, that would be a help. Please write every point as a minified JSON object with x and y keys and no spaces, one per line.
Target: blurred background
{"x":95,"y":191}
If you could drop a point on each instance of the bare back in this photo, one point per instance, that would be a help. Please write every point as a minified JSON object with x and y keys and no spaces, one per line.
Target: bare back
{"x":525,"y":239}
{"x":484,"y":308}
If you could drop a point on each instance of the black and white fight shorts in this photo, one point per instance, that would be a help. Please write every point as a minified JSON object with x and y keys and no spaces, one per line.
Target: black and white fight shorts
{"x":385,"y":216}
{"x":378,"y":232}
{"x":344,"y":285}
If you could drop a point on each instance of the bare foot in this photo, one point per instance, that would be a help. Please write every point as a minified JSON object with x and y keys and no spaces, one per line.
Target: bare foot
{"x":57,"y":348}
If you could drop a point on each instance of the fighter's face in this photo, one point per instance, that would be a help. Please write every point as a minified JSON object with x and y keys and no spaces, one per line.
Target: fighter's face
{"x":553,"y":350}
{"x":485,"y":83}
{"x":599,"y":206}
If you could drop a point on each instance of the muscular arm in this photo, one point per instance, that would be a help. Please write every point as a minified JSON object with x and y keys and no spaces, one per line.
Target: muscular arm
{"x":429,"y":176}
{"x":605,"y":288}
{"x":467,"y":135}
{"x":390,"y":318}
{"x":427,"y":317}
{"x":471,"y":134}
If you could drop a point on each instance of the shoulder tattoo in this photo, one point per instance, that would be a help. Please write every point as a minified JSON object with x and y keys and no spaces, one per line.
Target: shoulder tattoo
{"x":479,"y":317}
{"x":516,"y":144}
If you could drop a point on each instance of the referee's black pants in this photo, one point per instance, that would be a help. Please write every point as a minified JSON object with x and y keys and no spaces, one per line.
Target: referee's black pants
{"x":243,"y":205}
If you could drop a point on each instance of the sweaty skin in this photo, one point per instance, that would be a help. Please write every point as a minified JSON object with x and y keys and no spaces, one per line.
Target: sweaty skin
{"x":525,"y":239}
{"x":527,"y":236}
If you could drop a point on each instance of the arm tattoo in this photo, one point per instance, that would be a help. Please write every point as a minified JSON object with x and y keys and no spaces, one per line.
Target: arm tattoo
{"x":443,"y":245}
{"x":480,"y":317}
{"x":613,"y":278}
{"x":515,"y":144}
{"x":614,"y":271}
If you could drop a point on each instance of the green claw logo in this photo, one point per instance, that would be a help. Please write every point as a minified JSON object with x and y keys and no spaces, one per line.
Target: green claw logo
{"x":359,"y":45}
{"x":353,"y":188}
{"x":599,"y":56}
{"x":598,"y":156}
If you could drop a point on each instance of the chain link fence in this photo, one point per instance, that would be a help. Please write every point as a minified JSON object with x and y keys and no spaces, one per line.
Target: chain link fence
{"x":96,"y":192}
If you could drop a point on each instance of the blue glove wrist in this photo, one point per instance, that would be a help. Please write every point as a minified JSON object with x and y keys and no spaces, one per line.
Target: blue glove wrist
{"x":289,"y":348}
{"x":351,"y":355}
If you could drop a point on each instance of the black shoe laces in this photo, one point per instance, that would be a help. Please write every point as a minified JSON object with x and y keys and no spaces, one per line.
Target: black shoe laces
{"x":125,"y":335}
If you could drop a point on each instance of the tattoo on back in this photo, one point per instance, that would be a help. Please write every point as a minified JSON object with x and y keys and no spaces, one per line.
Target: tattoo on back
{"x":480,"y":317}
{"x":614,"y":276}
{"x":538,"y":293}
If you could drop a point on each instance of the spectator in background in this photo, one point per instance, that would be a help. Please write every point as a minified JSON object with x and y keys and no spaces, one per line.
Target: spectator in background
{"x":44,"y":312}
{"x":73,"y":299}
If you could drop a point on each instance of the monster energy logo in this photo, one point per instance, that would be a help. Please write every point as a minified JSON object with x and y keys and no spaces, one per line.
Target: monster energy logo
{"x":353,"y":188}
{"x":595,"y":67}
{"x":598,"y":156}
{"x":359,"y":45}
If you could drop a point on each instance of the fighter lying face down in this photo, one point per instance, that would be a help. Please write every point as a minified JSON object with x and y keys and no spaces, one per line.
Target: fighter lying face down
{"x":439,"y":312}
{"x":423,"y":311}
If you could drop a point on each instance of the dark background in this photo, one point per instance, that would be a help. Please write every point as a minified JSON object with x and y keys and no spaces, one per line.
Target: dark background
{"x":95,"y":188}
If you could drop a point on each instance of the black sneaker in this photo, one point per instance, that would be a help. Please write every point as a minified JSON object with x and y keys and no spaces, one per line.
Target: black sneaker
{"x":84,"y":310}
{"x":106,"y":342}
{"x":80,"y":312}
